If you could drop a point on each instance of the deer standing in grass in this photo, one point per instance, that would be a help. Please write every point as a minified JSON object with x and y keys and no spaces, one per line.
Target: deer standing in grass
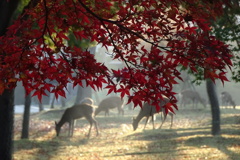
{"x":110,"y":103}
{"x":76,"y":112}
{"x":227,"y":99}
{"x":193,"y":96}
{"x":149,"y":110}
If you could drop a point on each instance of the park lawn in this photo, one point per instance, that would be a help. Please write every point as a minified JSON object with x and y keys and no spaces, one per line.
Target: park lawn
{"x":189,"y":139}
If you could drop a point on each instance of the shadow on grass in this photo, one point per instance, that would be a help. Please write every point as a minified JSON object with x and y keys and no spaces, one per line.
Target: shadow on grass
{"x":25,"y":144}
{"x":167,"y":140}
{"x":45,"y":149}
{"x":217,"y":142}
{"x":34,"y":149}
{"x":234,"y":119}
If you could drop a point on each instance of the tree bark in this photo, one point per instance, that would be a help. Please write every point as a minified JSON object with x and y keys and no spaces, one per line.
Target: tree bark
{"x":40,"y":105}
{"x":26,"y":115}
{"x":7,"y":9}
{"x":52,"y":103}
{"x":63,"y":102}
{"x":215,"y":110}
{"x":6,"y":123}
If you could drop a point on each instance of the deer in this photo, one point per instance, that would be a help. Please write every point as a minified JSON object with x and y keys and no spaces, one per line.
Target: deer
{"x":149,"y":110}
{"x":77,"y":112}
{"x":87,"y":100}
{"x":110,"y":103}
{"x":227,"y":99}
{"x":192,"y":96}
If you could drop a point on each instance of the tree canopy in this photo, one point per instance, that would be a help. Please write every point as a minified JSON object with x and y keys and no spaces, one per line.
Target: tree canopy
{"x":152,"y":37}
{"x":227,"y":29}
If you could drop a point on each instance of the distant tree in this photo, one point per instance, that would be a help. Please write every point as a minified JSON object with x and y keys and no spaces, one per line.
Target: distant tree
{"x":26,"y":117}
{"x":41,"y":106}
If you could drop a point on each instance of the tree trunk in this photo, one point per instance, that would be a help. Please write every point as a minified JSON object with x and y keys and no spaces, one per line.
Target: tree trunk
{"x":6,"y":123}
{"x":40,"y":105}
{"x":63,"y":102}
{"x":26,"y":115}
{"x":7,"y":9}
{"x":52,"y":103}
{"x":211,"y":90}
{"x":82,"y":93}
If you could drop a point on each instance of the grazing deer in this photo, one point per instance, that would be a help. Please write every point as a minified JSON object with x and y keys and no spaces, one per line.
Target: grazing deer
{"x":192,"y":96}
{"x":149,"y":110}
{"x":110,"y":103}
{"x":76,"y":112}
{"x":87,"y":101}
{"x":227,"y":99}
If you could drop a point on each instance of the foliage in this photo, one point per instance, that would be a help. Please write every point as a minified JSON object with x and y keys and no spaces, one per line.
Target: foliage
{"x":227,"y":29}
{"x":151,"y":37}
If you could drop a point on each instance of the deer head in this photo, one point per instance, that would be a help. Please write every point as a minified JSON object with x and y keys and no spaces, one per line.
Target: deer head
{"x":57,"y":128}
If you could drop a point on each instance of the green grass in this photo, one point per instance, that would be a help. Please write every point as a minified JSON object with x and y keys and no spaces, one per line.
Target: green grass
{"x":189,"y":139}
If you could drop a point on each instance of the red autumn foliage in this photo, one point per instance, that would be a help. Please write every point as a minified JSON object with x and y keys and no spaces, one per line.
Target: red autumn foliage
{"x":152,"y":38}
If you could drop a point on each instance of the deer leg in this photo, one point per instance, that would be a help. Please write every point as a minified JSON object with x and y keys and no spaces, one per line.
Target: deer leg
{"x":89,"y":131}
{"x":96,"y":126}
{"x":164,"y":118}
{"x":146,"y":122}
{"x":153,"y":121}
{"x":122,"y":111}
{"x":91,"y":120}
{"x":171,"y":114}
{"x":73,"y":124}
{"x":119,"y":111}
{"x":70,"y":128}
{"x":106,"y":112}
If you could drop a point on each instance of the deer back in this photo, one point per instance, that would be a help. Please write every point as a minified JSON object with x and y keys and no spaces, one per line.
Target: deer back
{"x":111,"y":102}
{"x":226,"y":96}
{"x":149,"y":110}
{"x":190,"y":94}
{"x":77,"y":111}
{"x":87,"y":101}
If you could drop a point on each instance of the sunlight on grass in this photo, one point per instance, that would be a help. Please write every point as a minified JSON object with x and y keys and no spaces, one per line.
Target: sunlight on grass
{"x":190,"y":138}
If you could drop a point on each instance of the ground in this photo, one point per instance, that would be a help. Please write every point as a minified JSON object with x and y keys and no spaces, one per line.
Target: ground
{"x":189,"y":139}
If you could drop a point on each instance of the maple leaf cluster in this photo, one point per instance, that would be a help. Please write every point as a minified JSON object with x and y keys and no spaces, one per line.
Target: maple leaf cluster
{"x":152,"y":37}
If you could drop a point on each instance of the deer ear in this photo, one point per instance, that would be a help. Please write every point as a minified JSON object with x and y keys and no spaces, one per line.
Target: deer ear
{"x":55,"y":122}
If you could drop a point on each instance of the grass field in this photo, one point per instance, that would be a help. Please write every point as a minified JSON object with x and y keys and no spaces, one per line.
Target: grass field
{"x":189,"y":139}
